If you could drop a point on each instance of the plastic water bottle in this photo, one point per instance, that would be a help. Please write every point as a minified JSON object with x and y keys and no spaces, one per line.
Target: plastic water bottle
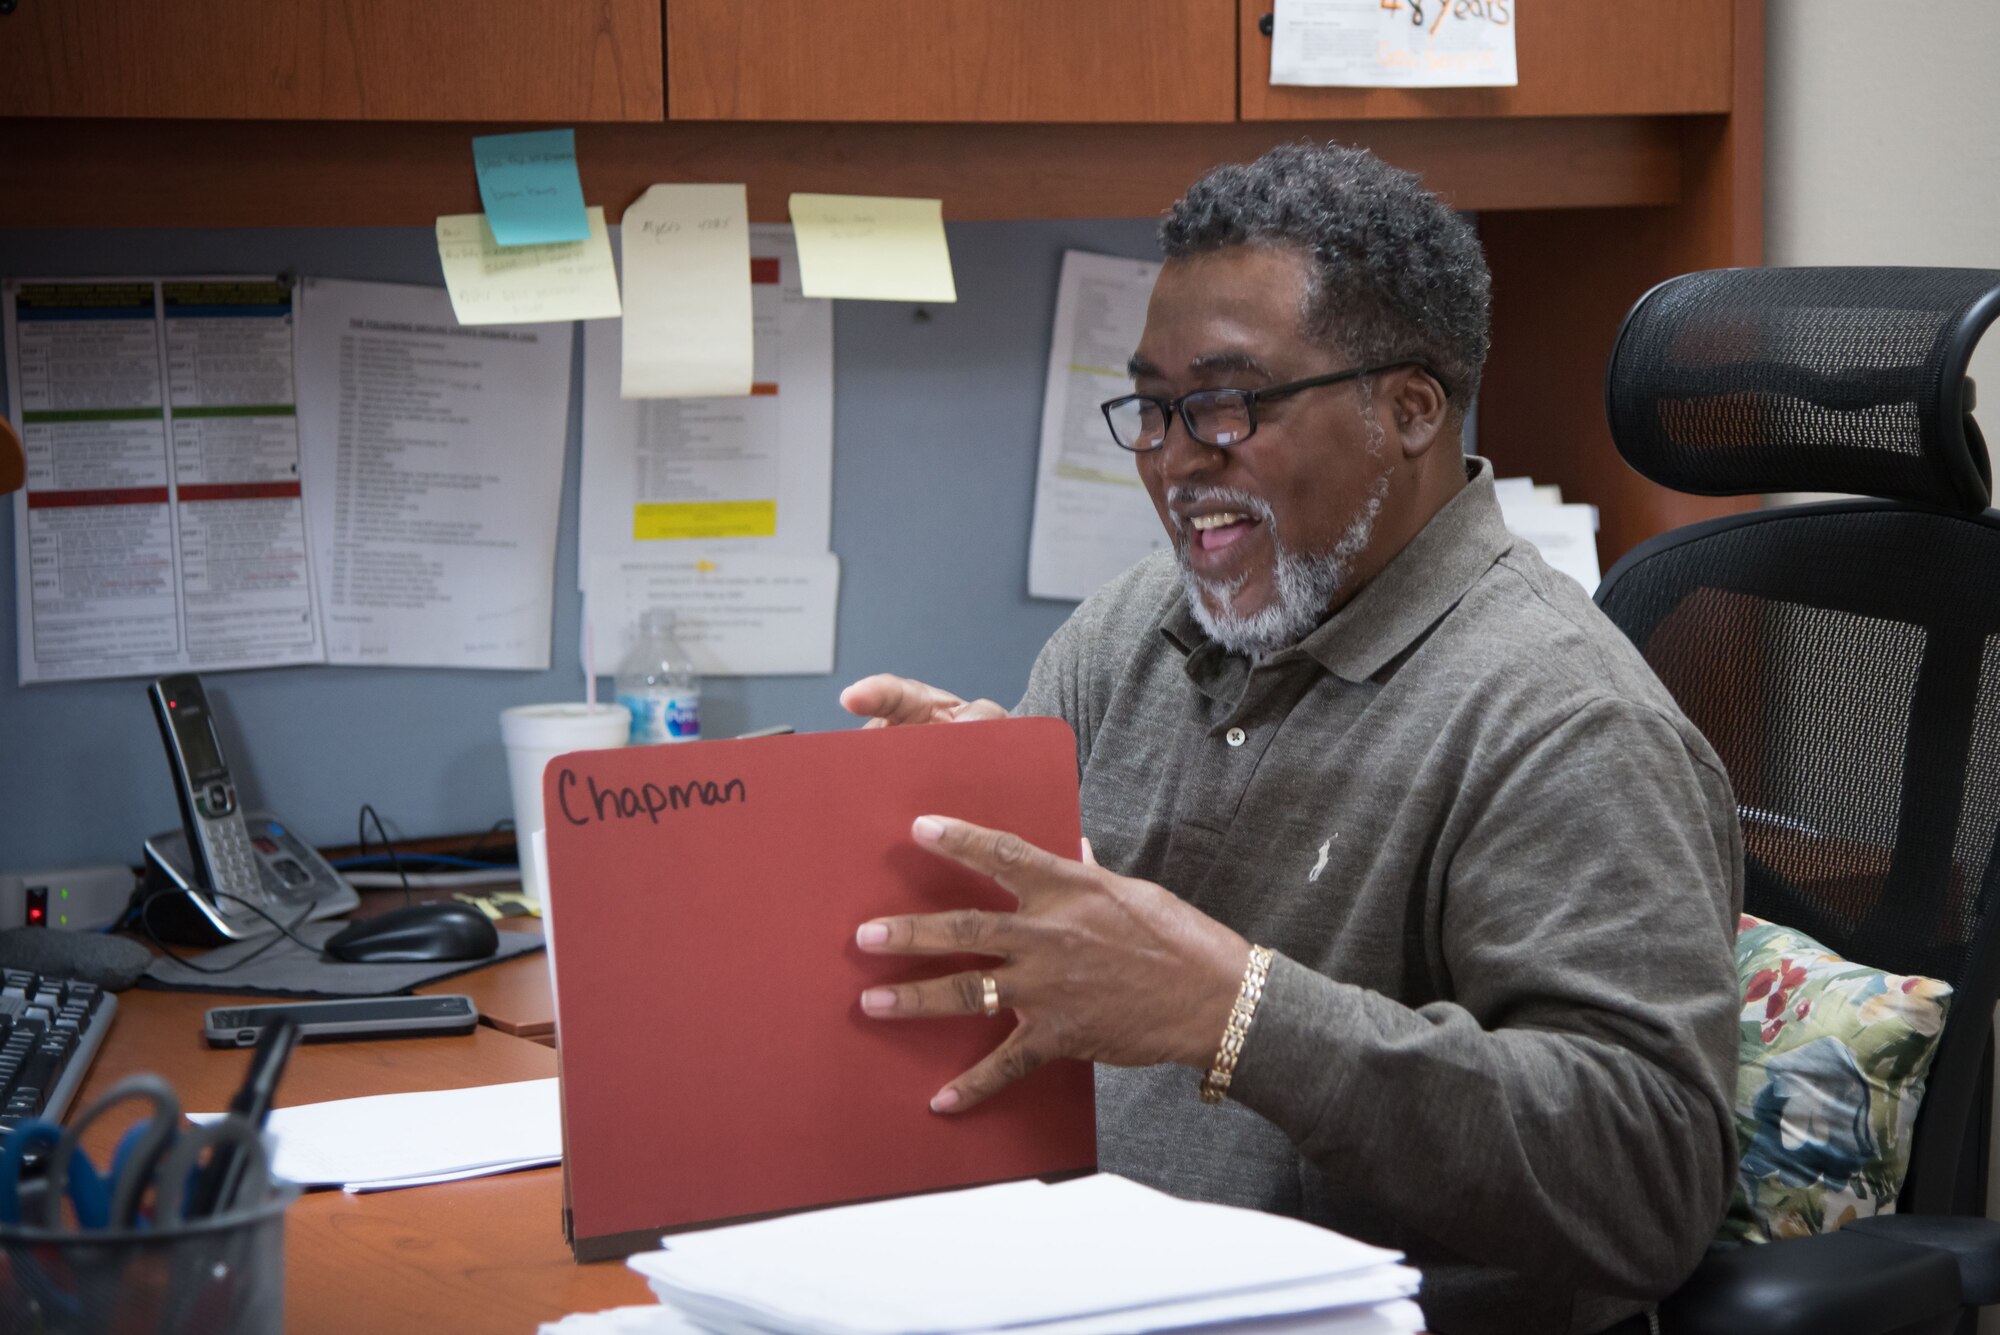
{"x":657,"y":682}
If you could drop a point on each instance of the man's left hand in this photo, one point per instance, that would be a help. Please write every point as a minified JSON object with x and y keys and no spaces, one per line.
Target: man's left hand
{"x":1094,"y":965}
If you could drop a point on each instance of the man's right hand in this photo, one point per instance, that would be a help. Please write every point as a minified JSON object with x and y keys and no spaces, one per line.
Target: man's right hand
{"x":890,"y":701}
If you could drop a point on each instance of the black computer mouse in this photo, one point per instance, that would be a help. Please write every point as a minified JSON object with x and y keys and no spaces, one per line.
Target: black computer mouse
{"x":419,"y":934}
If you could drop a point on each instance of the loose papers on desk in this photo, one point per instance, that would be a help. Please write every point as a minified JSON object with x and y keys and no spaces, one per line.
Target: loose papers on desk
{"x":1398,"y":1317}
{"x":1098,"y":1255}
{"x":433,"y":470}
{"x":161,"y":528}
{"x":1393,"y":43}
{"x":1092,"y":515}
{"x":386,"y":1141}
{"x":1566,"y":535}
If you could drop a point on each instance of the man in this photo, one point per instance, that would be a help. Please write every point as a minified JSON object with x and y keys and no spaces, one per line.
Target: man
{"x":1351,"y":720}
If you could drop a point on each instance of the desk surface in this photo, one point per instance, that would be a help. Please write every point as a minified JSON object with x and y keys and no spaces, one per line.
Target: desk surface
{"x":477,"y":1256}
{"x":514,"y":996}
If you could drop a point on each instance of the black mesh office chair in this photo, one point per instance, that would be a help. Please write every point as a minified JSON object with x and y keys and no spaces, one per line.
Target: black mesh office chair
{"x":1844,"y":660}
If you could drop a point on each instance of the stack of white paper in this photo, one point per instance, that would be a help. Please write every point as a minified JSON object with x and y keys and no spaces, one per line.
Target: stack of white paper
{"x":1096,"y":1256}
{"x":1566,"y":535}
{"x":387,"y":1141}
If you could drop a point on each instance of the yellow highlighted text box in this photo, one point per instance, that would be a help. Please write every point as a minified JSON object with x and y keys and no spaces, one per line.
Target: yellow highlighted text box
{"x":704,"y":519}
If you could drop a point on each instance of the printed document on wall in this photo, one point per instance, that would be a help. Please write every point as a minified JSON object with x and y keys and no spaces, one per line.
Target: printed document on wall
{"x":741,"y":615}
{"x":1092,"y":515}
{"x":434,"y":471}
{"x":1393,"y":43}
{"x":161,"y":528}
{"x":670,"y":478}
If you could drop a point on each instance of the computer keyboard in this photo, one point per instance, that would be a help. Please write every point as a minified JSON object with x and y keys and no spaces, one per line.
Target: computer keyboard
{"x":50,"y":1030}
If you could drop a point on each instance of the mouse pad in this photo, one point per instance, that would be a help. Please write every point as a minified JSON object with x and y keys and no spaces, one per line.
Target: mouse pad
{"x":289,"y":970}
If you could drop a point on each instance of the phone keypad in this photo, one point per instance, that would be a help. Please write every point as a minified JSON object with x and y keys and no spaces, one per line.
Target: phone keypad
{"x":236,"y":869}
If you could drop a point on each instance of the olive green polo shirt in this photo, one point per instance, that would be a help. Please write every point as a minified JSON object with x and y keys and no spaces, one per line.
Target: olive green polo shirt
{"x":1501,"y":872}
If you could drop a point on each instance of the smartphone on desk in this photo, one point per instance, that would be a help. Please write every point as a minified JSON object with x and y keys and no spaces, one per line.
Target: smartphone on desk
{"x":349,"y":1018}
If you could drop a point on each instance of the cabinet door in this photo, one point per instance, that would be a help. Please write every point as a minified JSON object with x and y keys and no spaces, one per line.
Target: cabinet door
{"x":951,"y":60}
{"x":522,"y":60}
{"x":1574,"y":58}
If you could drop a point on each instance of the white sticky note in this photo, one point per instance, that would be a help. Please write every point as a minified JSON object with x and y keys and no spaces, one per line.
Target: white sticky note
{"x":495,"y":284}
{"x":687,"y":294}
{"x":873,"y":247}
{"x":1385,"y":44}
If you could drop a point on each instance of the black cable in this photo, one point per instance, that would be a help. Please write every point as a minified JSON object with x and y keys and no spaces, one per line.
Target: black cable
{"x":368,"y":813}
{"x":285,"y":931}
{"x":505,"y":825}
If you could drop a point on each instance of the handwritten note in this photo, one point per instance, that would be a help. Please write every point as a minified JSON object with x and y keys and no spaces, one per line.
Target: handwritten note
{"x":1393,"y":43}
{"x":529,"y":185}
{"x":492,"y":284}
{"x":687,"y":294}
{"x":872,"y":247}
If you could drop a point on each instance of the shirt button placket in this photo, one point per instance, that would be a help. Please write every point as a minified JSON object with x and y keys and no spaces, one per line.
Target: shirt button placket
{"x":1235,"y":736}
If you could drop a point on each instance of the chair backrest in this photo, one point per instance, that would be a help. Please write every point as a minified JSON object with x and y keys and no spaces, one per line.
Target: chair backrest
{"x":1843,"y":658}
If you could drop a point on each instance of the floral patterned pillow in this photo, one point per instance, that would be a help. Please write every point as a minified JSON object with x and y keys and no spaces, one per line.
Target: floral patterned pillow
{"x":1830,"y":1071}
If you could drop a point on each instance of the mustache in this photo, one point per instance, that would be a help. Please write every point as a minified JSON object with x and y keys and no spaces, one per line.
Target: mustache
{"x":1229,"y":496}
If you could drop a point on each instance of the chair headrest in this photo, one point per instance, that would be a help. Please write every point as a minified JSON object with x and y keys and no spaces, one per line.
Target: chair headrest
{"x":1735,"y":381}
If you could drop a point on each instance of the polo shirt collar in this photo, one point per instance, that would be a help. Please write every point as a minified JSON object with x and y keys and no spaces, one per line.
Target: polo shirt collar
{"x":1419,"y":585}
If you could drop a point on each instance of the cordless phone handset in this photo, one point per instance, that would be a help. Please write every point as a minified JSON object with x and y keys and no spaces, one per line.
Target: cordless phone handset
{"x":218,"y":839}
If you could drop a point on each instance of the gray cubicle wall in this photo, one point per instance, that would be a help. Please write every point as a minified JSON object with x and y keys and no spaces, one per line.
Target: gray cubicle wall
{"x":936,"y":418}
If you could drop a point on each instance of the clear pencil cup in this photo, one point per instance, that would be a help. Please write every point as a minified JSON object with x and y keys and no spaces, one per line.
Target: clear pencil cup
{"x":219,"y":1276}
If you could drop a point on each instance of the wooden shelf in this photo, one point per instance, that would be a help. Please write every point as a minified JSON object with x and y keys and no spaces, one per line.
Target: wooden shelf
{"x":276,"y":174}
{"x":1631,"y":151}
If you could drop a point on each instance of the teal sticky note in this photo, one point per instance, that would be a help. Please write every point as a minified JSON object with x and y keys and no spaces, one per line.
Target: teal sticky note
{"x":529,"y":185}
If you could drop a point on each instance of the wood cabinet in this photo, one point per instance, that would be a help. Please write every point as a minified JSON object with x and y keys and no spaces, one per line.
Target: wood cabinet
{"x":397,"y":60}
{"x":1575,"y":58}
{"x":1631,"y":151}
{"x":951,"y":60}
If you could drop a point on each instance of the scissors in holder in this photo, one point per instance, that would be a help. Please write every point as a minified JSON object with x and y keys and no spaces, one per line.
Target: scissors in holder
{"x":113,"y":1200}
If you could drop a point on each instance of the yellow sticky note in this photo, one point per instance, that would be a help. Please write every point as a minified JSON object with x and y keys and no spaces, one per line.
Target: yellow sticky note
{"x":687,"y":294}
{"x":495,"y":284}
{"x":873,"y":247}
{"x":655,"y":520}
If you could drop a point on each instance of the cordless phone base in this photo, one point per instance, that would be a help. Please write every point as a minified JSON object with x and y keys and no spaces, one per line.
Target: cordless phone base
{"x":291,"y":876}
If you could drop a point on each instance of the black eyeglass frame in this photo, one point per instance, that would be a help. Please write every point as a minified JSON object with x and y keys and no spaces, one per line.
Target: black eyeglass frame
{"x":1249,"y":397}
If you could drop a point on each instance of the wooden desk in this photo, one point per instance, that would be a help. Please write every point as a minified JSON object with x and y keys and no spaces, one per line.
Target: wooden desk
{"x":514,"y":996}
{"x":484,"y":1255}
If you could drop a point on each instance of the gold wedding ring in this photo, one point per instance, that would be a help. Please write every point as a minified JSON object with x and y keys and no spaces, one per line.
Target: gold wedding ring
{"x":989,"y":991}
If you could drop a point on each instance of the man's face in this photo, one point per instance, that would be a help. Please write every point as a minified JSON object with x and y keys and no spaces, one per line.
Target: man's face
{"x":1266,"y":531}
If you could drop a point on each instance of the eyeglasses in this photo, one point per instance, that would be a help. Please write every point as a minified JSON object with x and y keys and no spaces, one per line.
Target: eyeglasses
{"x":1219,"y":418}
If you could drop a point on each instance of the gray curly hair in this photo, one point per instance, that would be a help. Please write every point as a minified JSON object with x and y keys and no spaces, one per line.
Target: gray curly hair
{"x":1395,"y":271}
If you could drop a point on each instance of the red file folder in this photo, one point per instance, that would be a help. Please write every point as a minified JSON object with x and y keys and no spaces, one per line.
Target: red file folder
{"x":702,"y":904}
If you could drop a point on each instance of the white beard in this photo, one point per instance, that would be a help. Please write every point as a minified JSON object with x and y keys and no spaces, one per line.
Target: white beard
{"x":1304,"y":583}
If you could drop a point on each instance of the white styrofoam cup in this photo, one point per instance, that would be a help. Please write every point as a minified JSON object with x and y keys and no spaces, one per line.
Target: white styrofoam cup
{"x":535,"y":735}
